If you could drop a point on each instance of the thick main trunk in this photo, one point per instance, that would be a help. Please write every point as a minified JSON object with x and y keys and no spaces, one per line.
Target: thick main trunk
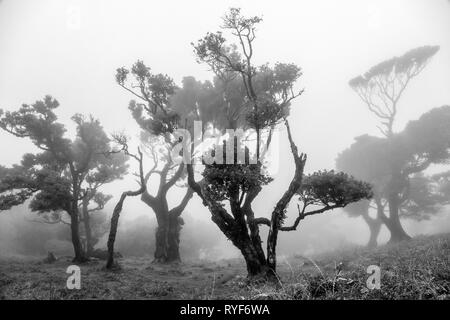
{"x":374,"y":232}
{"x":76,"y":242}
{"x":74,"y":219}
{"x":87,"y":229}
{"x":167,"y":238}
{"x":161,"y":239}
{"x":374,"y":225}
{"x":396,"y":185}
{"x":173,"y":238}
{"x":394,"y":225}
{"x":253,"y":253}
{"x":254,"y":266}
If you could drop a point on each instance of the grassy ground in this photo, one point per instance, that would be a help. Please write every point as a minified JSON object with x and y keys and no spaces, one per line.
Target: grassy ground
{"x":418,"y":269}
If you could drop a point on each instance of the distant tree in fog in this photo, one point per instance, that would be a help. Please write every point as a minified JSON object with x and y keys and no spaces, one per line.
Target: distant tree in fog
{"x":366,"y":159}
{"x":380,"y":88}
{"x":59,"y":177}
{"x":383,"y":85}
{"x":362,"y":209}
{"x":423,"y":142}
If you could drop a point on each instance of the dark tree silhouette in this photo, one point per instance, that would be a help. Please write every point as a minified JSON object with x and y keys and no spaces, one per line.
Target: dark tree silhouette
{"x":122,"y":141}
{"x":56,"y":178}
{"x":383,"y":85}
{"x":240,"y":184}
{"x":381,"y":88}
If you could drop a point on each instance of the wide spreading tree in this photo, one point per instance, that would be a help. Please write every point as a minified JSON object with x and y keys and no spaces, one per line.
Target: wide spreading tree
{"x":229,"y":190}
{"x":65,"y":171}
{"x":380,"y":89}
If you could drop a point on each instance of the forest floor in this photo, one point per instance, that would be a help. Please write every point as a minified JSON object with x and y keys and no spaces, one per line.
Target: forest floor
{"x":417,"y":269}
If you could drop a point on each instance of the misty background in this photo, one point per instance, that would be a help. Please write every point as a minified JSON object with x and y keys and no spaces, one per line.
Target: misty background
{"x":71,"y":49}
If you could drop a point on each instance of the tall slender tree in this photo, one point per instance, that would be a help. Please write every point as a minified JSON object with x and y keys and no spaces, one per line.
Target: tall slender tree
{"x":122,"y":141}
{"x":381,"y":88}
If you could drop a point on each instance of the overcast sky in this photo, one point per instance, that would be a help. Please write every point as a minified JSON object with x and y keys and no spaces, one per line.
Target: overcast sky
{"x":70,"y":49}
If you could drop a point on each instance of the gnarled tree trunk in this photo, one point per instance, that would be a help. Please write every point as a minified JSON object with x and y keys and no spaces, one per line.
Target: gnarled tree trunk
{"x":75,"y":233}
{"x":118,"y":208}
{"x":74,"y":218}
{"x":173,"y":238}
{"x":374,"y":228}
{"x":87,"y":228}
{"x":256,"y":268}
{"x":167,"y":236}
{"x":242,"y":228}
{"x":394,"y":225}
{"x":278,"y":214}
{"x":167,"y":244}
{"x":161,"y":237}
{"x":113,"y":230}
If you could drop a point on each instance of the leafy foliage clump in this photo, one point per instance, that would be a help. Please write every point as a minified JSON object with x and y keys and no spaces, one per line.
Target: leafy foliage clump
{"x":223,"y":180}
{"x":332,"y":188}
{"x":156,"y":114}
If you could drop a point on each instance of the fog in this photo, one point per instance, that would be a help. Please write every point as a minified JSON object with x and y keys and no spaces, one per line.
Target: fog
{"x":71,"y":49}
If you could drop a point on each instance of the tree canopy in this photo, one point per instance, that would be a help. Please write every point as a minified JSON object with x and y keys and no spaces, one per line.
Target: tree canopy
{"x":423,"y":142}
{"x":264,"y":104}
{"x":381,"y":86}
{"x":59,"y":176}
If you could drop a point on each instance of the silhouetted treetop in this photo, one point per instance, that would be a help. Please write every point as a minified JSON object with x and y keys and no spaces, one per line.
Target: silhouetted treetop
{"x":381,"y":87}
{"x":408,"y":65}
